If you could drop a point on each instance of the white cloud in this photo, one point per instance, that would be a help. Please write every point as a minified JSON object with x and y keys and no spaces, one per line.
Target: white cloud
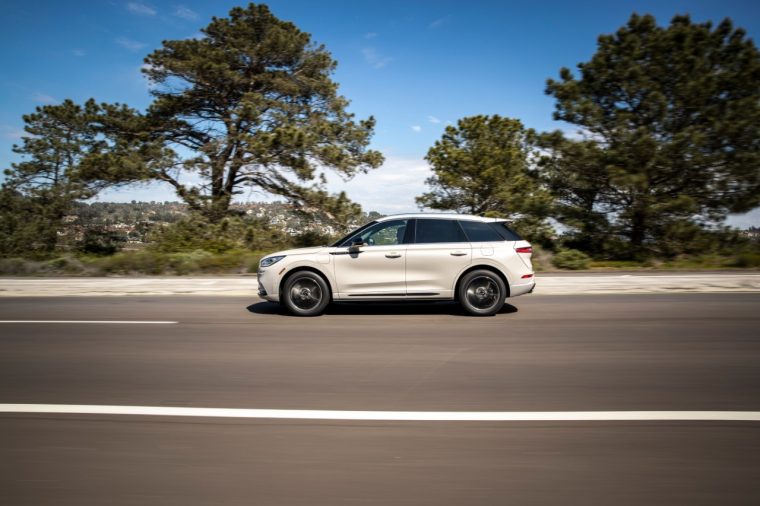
{"x":575,"y":134}
{"x":141,"y":9}
{"x":389,"y":189}
{"x":417,"y":128}
{"x":433,"y":120}
{"x":750,"y":219}
{"x":370,"y":35}
{"x":12,"y":133}
{"x":185,"y":13}
{"x":130,"y":44}
{"x":78,"y":52}
{"x":439,"y":22}
{"x":141,"y":192}
{"x":375,"y":59}
{"x":43,"y":98}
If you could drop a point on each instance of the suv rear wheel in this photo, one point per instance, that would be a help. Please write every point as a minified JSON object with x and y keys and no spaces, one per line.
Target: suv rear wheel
{"x":306,"y":294}
{"x":482,"y":292}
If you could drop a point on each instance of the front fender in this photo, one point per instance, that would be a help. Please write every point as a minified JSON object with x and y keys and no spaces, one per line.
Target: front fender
{"x":311,"y":264}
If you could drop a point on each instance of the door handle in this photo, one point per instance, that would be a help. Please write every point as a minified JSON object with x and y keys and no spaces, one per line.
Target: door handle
{"x":458,"y":253}
{"x":392,"y":255}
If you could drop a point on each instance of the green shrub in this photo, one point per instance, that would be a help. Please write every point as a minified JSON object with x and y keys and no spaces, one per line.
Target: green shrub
{"x":230,"y":261}
{"x":541,"y":259}
{"x":17,"y":267}
{"x":182,"y":263}
{"x":571,"y":259}
{"x":127,"y":262}
{"x":748,"y":259}
{"x":621,"y":264}
{"x":63,"y":265}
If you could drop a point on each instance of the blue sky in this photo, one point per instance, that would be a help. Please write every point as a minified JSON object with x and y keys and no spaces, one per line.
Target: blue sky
{"x":414,"y":65}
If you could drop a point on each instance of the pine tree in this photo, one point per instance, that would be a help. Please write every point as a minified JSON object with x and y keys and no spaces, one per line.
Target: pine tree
{"x":674,"y":116}
{"x":483,"y":166}
{"x":253,"y":103}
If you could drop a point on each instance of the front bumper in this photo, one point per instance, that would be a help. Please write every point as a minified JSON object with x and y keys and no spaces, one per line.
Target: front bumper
{"x":262,"y":290}
{"x":268,"y":285}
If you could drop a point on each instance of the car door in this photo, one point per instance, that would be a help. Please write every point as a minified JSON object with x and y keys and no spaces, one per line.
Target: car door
{"x":439,"y":252}
{"x":376,"y":269}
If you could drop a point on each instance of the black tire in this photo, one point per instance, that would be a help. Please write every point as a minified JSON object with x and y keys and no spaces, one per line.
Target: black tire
{"x":482,"y":293}
{"x":305,"y":294}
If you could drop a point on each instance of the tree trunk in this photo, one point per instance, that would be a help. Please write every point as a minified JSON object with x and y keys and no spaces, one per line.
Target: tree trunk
{"x":220,"y":205}
{"x":639,"y":224}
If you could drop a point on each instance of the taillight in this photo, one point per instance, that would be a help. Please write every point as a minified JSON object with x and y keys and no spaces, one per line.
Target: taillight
{"x":525,"y":249}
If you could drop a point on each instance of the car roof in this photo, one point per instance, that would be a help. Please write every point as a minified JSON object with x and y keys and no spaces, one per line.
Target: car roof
{"x":440,"y":216}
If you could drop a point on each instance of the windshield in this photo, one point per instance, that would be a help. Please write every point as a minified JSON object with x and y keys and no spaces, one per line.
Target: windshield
{"x":353,"y":233}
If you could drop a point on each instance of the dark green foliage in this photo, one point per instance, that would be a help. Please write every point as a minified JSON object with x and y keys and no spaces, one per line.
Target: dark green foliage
{"x":337,"y":210}
{"x":574,"y":173}
{"x":254,"y":102}
{"x":672,"y":121}
{"x":229,"y":234}
{"x":28,"y":226}
{"x":101,"y":242}
{"x":482,"y":166}
{"x":72,"y":151}
{"x":68,"y":154}
{"x":312,"y":238}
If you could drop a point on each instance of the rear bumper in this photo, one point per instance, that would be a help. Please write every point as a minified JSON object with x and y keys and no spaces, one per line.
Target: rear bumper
{"x":522,"y":288}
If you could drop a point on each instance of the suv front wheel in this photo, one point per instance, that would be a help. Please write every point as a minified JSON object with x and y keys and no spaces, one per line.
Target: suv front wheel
{"x":306,"y":294}
{"x":482,"y":293}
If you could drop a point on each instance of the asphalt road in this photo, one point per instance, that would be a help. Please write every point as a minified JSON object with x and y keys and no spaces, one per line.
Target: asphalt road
{"x":550,"y":353}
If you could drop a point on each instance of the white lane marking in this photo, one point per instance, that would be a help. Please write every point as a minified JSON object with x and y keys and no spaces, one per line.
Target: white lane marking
{"x":119,"y":322}
{"x":587,"y":275}
{"x":444,"y":416}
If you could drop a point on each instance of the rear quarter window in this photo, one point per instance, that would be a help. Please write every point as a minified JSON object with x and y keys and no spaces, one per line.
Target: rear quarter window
{"x":507,"y":233}
{"x":477,"y":231}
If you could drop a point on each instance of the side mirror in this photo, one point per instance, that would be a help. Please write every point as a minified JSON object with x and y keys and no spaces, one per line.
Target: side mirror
{"x":355,"y":244}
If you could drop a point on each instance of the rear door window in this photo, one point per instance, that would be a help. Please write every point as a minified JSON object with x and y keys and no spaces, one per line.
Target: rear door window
{"x":433,"y":231}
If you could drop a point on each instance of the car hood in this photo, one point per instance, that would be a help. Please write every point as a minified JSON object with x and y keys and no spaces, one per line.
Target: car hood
{"x":300,"y":251}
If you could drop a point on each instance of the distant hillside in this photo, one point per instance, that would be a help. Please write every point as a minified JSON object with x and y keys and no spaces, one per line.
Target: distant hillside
{"x":134,"y":221}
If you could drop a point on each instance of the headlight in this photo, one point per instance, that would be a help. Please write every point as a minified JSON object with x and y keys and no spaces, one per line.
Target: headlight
{"x":266,"y":262}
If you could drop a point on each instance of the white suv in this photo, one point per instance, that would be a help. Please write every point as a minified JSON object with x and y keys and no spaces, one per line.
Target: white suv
{"x":477,"y":261}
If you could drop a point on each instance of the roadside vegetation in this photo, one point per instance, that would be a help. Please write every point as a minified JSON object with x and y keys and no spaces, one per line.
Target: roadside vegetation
{"x":662,"y":143}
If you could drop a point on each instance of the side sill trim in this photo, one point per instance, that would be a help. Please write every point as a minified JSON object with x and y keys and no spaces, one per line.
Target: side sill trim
{"x":377,"y":295}
{"x":392,"y":294}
